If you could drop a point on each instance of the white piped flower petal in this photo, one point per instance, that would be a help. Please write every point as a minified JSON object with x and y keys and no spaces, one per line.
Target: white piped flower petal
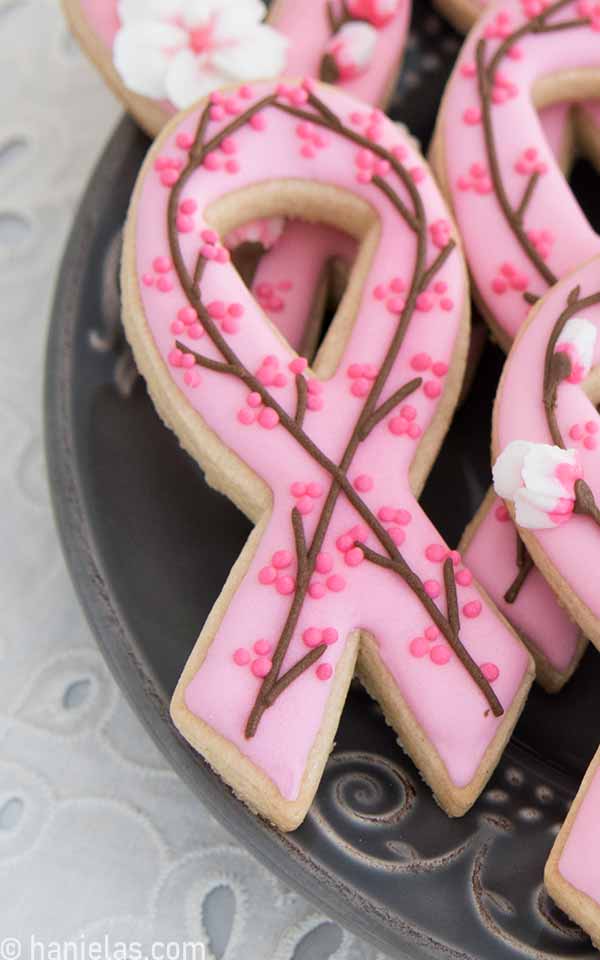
{"x":262,"y":53}
{"x":580,"y":335}
{"x":132,"y":10}
{"x":534,"y":512}
{"x":507,"y":471}
{"x":189,"y":77}
{"x":237,"y":18}
{"x":540,"y":469}
{"x":141,"y":54}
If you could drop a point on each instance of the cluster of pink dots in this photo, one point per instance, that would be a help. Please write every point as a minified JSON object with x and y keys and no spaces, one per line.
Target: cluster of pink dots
{"x":368,"y":165}
{"x":187,"y":362}
{"x":421,"y":363}
{"x":229,"y":104}
{"x":312,"y":138}
{"x":509,"y":278}
{"x":224,"y":158}
{"x":585,"y":8}
{"x":160,"y":278}
{"x":185,"y":215}
{"x":439,"y":553}
{"x":542,"y":241}
{"x":269,"y":295}
{"x":168,"y":169}
{"x":257,"y":659}
{"x":296,"y":96}
{"x":533,"y":8}
{"x":361,"y":376}
{"x":212,"y":249}
{"x":439,"y":231}
{"x":391,"y":293}
{"x":585,"y":434}
{"x":306,"y":495}
{"x":404,"y":423}
{"x":426,"y":301}
{"x":477,"y":179}
{"x":529,"y":162}
{"x":333,"y":582}
{"x":314,"y":637}
{"x":277,"y":573}
{"x":503,"y":89}
{"x":270,"y":374}
{"x":256,"y":412}
{"x":500,"y":27}
{"x":394,"y":520}
{"x":346,"y":544}
{"x":371,"y":125}
{"x":427,"y":645}
{"x":227,"y":315}
{"x":187,"y":322}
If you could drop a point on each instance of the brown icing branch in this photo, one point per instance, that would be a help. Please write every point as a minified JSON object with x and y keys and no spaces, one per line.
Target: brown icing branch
{"x":274,"y":683}
{"x":585,"y":503}
{"x":485,"y":79}
{"x":524,"y":567}
{"x":302,"y":395}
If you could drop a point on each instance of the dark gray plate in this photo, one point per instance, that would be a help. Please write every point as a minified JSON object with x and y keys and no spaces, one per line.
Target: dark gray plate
{"x":149,"y":546}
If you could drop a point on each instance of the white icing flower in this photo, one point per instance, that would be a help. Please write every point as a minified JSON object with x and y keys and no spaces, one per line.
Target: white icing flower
{"x":352,"y":49}
{"x":377,"y":12}
{"x":182,"y":50}
{"x":540,"y":481}
{"x":578,"y":341}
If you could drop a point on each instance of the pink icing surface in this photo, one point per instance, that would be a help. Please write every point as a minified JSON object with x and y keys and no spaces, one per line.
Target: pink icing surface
{"x":574,"y":547}
{"x":517,"y":128}
{"x":491,"y":556}
{"x":349,"y":594}
{"x":292,"y":270}
{"x":580,"y":860}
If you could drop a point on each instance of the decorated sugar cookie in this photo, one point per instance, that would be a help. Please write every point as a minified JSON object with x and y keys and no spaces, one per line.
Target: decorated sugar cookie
{"x":343,"y":563}
{"x":546,"y":441}
{"x":159,"y":56}
{"x":572,"y":873}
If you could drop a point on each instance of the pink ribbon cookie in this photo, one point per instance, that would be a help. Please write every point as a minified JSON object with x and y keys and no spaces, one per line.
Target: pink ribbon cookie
{"x":545,"y":439}
{"x":327,"y":462}
{"x":572,"y":873}
{"x":504,"y":181}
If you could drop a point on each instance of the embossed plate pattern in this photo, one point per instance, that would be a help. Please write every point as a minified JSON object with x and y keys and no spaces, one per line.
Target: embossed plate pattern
{"x":149,"y":546}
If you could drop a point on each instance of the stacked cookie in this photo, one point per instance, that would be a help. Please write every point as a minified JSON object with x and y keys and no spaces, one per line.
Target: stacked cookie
{"x":256,"y":205}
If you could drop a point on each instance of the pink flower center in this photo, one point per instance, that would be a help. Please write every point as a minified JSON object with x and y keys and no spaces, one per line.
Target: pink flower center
{"x":200,"y":39}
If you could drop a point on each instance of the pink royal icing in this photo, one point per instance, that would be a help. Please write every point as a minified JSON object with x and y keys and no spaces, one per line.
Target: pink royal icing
{"x":347,"y":591}
{"x":572,"y":543}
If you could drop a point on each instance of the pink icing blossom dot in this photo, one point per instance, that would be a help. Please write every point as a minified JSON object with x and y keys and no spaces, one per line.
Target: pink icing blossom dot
{"x":187,"y":315}
{"x":209,"y":236}
{"x":395,"y":305}
{"x":380,"y":292}
{"x":454,"y":555}
{"x":440,"y":655}
{"x":188,"y":206}
{"x":305,"y":506}
{"x":281,"y":559}
{"x":447,"y":304}
{"x":230,"y":325}
{"x":148,"y":280}
{"x":228,"y":146}
{"x":298,"y":489}
{"x":261,"y":667}
{"x":196,"y":331}
{"x":285,"y":585}
{"x":363,"y":483}
{"x":235,"y":310}
{"x":419,"y":647}
{"x":258,"y":122}
{"x":315,"y":403}
{"x":432,"y":389}
{"x":175,"y":357}
{"x":468,"y":70}
{"x":324,"y":563}
{"x":254,"y":399}
{"x":314,"y":490}
{"x":501,"y":513}
{"x":360,"y":388}
{"x":298,"y":365}
{"x":439,"y":368}
{"x":280,"y":380}
{"x":324,"y":671}
{"x":490,"y":671}
{"x":216,"y":309}
{"x":330,"y":635}
{"x":345,"y":542}
{"x":590,"y":443}
{"x":312,"y":637}
{"x":169,"y":178}
{"x":436,"y":552}
{"x":420,"y":362}
{"x":403,"y":517}
{"x":177,"y":327}
{"x":472,"y":609}
{"x":245,"y":92}
{"x":414,"y":431}
{"x":398,"y":285}
{"x":162,"y":265}
{"x":472,"y":116}
{"x":398,"y":535}
{"x":336,"y":583}
{"x":246,"y":417}
{"x":188,"y":361}
{"x":262,"y":647}
{"x":440,"y":286}
{"x":211,"y":162}
{"x":268,"y":418}
{"x":386,"y":514}
{"x":432,"y":588}
{"x":164,"y":284}
{"x":184,"y":224}
{"x":267,"y":575}
{"x":360,"y":532}
{"x":315,"y":386}
{"x":591,"y":426}
{"x":317,"y":590}
{"x":432,"y":633}
{"x":499,"y":285}
{"x":425,"y":302}
{"x":464,"y":578}
{"x":192,"y":378}
{"x":398,"y":426}
{"x":354,"y":557}
{"x":232,"y":166}
{"x":241,"y":657}
{"x":217,"y":113}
